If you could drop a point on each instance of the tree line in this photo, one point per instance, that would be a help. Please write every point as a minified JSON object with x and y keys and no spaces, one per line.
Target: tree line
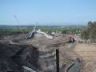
{"x":89,"y":33}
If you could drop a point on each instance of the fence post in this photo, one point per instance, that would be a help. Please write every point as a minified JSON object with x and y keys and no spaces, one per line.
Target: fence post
{"x":57,"y":60}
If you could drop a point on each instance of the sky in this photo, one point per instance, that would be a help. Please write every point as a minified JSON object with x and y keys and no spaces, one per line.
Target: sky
{"x":23,"y":12}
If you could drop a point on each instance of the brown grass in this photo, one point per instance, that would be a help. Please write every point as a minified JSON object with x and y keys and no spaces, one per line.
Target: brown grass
{"x":88,"y":53}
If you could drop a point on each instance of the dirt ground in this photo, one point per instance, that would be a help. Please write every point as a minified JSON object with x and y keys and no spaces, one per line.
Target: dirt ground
{"x":87,"y":52}
{"x":68,"y":51}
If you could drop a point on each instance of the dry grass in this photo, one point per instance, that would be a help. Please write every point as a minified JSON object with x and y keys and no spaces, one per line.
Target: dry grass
{"x":88,"y":53}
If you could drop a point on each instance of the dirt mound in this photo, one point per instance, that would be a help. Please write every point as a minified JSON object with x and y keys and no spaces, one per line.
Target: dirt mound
{"x":39,"y":54}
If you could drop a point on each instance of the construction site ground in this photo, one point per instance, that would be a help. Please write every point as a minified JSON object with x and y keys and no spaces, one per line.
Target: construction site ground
{"x":68,"y":51}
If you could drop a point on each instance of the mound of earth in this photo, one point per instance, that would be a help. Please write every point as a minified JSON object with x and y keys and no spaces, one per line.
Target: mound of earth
{"x":19,"y":54}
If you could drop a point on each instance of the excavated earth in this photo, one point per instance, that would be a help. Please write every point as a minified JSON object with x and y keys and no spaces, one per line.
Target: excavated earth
{"x":18,"y":54}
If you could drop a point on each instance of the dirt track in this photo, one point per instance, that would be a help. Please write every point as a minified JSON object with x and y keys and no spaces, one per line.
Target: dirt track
{"x":88,"y":53}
